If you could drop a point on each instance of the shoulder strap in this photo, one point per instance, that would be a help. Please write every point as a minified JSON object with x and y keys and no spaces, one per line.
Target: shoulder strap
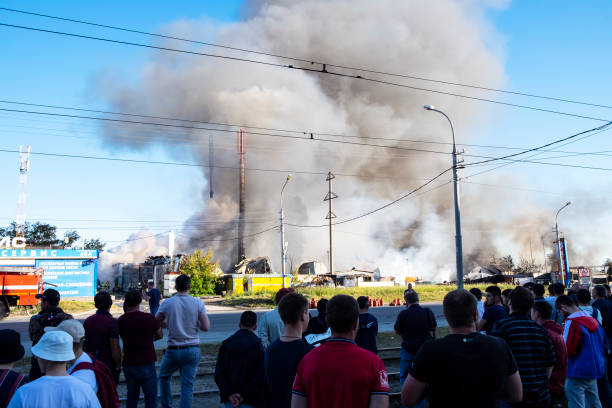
{"x":84,"y":365}
{"x":16,"y":385}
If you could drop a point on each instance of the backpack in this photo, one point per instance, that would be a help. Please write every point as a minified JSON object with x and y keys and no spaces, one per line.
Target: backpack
{"x":107,"y":391}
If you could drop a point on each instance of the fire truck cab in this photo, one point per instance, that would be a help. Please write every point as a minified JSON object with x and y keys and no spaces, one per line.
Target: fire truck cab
{"x":19,"y":287}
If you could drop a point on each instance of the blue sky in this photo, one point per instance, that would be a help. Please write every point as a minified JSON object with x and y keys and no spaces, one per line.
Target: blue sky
{"x":560,"y":51}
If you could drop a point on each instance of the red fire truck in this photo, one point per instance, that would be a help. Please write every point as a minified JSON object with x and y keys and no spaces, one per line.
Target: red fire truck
{"x":19,"y":287}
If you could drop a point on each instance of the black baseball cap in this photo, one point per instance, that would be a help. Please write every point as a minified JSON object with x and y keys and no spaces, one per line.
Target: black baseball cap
{"x":50,"y":295}
{"x":11,"y":349}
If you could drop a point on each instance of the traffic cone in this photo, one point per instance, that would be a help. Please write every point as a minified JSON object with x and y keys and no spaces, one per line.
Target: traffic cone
{"x":370,"y":302}
{"x":312,"y":305}
{"x":382,"y":302}
{"x":315,"y":304}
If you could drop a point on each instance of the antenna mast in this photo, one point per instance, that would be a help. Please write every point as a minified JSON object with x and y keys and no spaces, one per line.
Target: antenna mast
{"x":24,"y":167}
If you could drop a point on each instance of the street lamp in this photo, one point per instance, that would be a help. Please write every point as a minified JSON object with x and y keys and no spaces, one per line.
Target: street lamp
{"x":559,"y":242}
{"x":282,"y":231}
{"x":458,"y":241}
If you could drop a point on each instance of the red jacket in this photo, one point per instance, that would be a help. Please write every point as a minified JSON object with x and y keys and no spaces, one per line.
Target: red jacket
{"x":556,"y":383}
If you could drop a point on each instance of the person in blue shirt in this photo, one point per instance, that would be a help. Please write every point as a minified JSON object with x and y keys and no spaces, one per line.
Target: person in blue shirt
{"x":494,"y":310}
{"x":154,"y":298}
{"x":368,"y":327}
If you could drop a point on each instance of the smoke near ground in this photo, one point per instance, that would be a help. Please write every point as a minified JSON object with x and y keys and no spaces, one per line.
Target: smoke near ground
{"x":443,"y":39}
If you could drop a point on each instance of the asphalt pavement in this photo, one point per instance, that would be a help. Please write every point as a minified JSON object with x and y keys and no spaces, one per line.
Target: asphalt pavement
{"x":224,"y":322}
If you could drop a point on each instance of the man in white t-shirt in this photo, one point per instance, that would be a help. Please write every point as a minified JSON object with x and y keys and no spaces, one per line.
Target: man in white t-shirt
{"x":184,"y":316}
{"x":56,"y":388}
{"x":76,"y":330}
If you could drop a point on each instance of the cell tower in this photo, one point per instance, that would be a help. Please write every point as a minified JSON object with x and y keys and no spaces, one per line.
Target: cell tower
{"x":24,"y":167}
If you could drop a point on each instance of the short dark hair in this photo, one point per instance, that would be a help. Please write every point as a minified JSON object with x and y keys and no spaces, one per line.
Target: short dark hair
{"x":605,"y":285}
{"x":103,"y":300}
{"x":551,"y":289}
{"x":459,"y":308}
{"x":494,"y":290}
{"x":600,"y":291}
{"x":410,"y":296}
{"x":291,"y":306}
{"x":544,"y":309}
{"x":182,"y":283}
{"x":281,"y":292}
{"x":322,"y":305}
{"x":506,"y":292}
{"x":583,"y":296}
{"x":538,"y":290}
{"x":248,"y":319}
{"x":342,"y":313}
{"x":132,"y":298}
{"x":564,"y":300}
{"x":521,"y":299}
{"x":529,"y":285}
{"x":476,"y":292}
{"x":558,"y":288}
{"x":363,"y":302}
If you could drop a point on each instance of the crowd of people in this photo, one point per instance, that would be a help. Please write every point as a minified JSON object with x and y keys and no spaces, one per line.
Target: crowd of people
{"x":517,"y":348}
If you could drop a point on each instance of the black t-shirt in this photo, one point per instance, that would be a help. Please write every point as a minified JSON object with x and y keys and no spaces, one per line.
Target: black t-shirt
{"x":282,"y":360}
{"x":464,"y":370}
{"x":415,"y":324}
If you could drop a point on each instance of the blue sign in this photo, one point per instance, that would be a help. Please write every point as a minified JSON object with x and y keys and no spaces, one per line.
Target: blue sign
{"x":49,"y":253}
{"x":72,"y":272}
{"x":71,"y":277}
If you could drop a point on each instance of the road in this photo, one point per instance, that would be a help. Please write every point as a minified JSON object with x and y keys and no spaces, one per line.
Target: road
{"x":224,"y":322}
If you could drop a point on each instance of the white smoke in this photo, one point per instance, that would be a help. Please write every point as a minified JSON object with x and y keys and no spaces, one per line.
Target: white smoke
{"x":443,"y":39}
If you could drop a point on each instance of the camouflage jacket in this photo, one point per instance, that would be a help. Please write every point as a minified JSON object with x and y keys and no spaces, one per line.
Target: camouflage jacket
{"x":51,"y":316}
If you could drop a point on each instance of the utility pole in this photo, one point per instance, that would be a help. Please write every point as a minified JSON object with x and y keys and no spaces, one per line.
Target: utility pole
{"x":458,"y":239}
{"x":24,"y":167}
{"x":330,"y":216}
{"x":241,"y":152}
{"x":282,"y":231}
{"x":210,"y":165}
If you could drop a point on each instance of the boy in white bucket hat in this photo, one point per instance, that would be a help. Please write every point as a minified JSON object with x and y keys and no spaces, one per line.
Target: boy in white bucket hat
{"x":76,"y":330}
{"x":56,"y":388}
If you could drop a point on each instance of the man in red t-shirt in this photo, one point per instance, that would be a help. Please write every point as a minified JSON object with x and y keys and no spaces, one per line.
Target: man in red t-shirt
{"x":139,"y":330}
{"x":339,"y":373}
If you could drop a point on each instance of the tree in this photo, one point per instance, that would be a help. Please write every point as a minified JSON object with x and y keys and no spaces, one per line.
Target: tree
{"x":204,"y":272}
{"x":505,"y":263}
{"x":41,"y":235}
{"x":70,"y":237}
{"x":94,"y":244}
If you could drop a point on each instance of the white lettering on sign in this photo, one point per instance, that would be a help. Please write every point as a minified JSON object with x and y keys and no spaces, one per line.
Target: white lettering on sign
{"x":17,"y":242}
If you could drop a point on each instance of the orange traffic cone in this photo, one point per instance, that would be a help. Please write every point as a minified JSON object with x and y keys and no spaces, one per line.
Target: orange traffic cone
{"x":382,"y":302}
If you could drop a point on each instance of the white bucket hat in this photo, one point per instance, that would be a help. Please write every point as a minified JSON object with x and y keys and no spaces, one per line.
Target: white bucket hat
{"x":54,"y":346}
{"x":72,"y":327}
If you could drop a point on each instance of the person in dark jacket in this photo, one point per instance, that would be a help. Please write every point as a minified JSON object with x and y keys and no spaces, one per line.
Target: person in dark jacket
{"x":318,"y":324}
{"x":50,"y":315}
{"x":368,"y":327}
{"x":604,"y":306}
{"x":541,"y":313}
{"x":239,"y":371}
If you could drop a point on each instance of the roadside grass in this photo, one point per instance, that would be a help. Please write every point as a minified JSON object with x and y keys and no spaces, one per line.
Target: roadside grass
{"x":68,"y":306}
{"x":427,"y":293}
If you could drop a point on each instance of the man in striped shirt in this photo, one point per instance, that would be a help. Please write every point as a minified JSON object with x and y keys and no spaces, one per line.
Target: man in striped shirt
{"x":531,"y":346}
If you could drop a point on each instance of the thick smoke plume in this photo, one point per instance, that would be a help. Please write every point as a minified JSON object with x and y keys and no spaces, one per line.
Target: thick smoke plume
{"x":442,"y":39}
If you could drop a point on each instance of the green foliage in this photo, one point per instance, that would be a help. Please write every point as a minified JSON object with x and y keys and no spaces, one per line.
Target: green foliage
{"x":204,"y":272}
{"x":94,"y":244}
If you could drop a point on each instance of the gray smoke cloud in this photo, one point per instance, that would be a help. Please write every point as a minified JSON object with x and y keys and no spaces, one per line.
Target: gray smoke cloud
{"x":443,"y":39}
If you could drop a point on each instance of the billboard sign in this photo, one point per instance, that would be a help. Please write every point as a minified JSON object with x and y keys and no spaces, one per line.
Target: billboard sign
{"x":72,"y":272}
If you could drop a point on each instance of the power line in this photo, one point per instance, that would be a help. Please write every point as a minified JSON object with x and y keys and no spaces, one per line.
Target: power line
{"x":312,"y":61}
{"x":184,"y":164}
{"x":323,"y":70}
{"x":375,"y":210}
{"x":168,"y":125}
{"x":306,"y":133}
{"x":596,"y":129}
{"x":231,"y":239}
